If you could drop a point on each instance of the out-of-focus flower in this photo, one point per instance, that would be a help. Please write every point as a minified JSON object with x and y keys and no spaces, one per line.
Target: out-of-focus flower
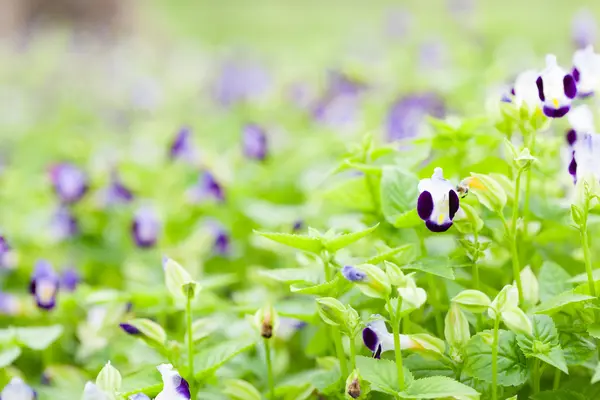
{"x":353,"y":274}
{"x":221,"y":237}
{"x":586,"y":153}
{"x":139,"y":396}
{"x":433,"y":54}
{"x":129,"y":329}
{"x":339,"y":106}
{"x":93,"y":392}
{"x":297,"y":226}
{"x":207,"y":187}
{"x":116,"y":192}
{"x":174,"y":386}
{"x":581,"y":120}
{"x":586,"y":71}
{"x":438,"y":202}
{"x":146,"y":94}
{"x":8,"y":257}
{"x":240,"y":81}
{"x":70,"y":279}
{"x":377,"y":339}
{"x":584,"y":28}
{"x":18,"y":390}
{"x":70,"y":183}
{"x":556,"y":89}
{"x":44,"y":285}
{"x":9,"y":304}
{"x":255,"y":142}
{"x":145,"y":227}
{"x":182,"y":147}
{"x":63,"y":224}
{"x":406,"y":117}
{"x":287,"y":327}
{"x":525,"y":90}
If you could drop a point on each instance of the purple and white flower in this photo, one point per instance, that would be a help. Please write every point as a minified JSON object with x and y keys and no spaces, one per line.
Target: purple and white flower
{"x":584,"y":28}
{"x":406,"y":117}
{"x":182,"y":147}
{"x":556,"y":89}
{"x":525,"y":90}
{"x":174,"y":386}
{"x":377,"y":339}
{"x":438,"y":202}
{"x":255,"y":142}
{"x":44,"y":285}
{"x":70,"y":183}
{"x":145,"y":227}
{"x":63,"y":224}
{"x":581,"y":120}
{"x":18,"y":390}
{"x":353,"y":274}
{"x":116,"y":192}
{"x":206,"y":188}
{"x":70,"y":279}
{"x":586,"y":71}
{"x":9,"y":304}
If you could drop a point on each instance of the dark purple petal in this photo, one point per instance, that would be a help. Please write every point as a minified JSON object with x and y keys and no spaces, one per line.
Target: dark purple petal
{"x":4,"y":247}
{"x":453,"y":202}
{"x":145,"y":228}
{"x":255,"y":142}
{"x":512,"y":91}
{"x":44,"y":285}
{"x":425,"y":205}
{"x":573,"y":168}
{"x":183,"y":388}
{"x":117,"y":192}
{"x":211,"y":187}
{"x":433,"y":227}
{"x":377,"y":353}
{"x":297,"y":225}
{"x":353,"y":274}
{"x":222,"y":243}
{"x":540,"y":85}
{"x":64,"y":225}
{"x":569,"y":86}
{"x":70,"y":183}
{"x":556,"y":112}
{"x":182,"y":145}
{"x":571,"y":137}
{"x":370,"y":339}
{"x":575,"y":74}
{"x":585,"y":95}
{"x":129,"y":329}
{"x":70,"y":279}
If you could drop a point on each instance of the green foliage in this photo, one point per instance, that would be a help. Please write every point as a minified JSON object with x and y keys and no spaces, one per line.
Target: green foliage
{"x":543,"y":343}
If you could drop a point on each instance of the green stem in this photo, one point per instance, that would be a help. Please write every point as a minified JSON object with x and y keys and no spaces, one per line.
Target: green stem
{"x":528,"y":187}
{"x":190,"y":340}
{"x":495,"y":358}
{"x":339,"y":347}
{"x":585,"y":243}
{"x":352,"y":353}
{"x":269,"y":368}
{"x":556,"y":382}
{"x":536,"y":376}
{"x":397,"y":350}
{"x":514,"y":254}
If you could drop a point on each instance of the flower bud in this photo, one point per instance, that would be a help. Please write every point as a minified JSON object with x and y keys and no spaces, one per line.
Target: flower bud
{"x":353,"y":388}
{"x":507,"y":299}
{"x":413,"y":297}
{"x":266,"y":321}
{"x":332,"y":311}
{"x":179,"y":282}
{"x":394,"y":273}
{"x":424,"y":341}
{"x":376,"y":284}
{"x":488,"y":191}
{"x":146,"y":329}
{"x":108,"y":379}
{"x":516,"y":320}
{"x":472,"y":300}
{"x":456,"y":328}
{"x":577,"y":215}
{"x":531,"y":289}
{"x":524,"y":159}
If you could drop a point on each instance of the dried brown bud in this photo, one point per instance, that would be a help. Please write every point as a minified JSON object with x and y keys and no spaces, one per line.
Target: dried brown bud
{"x":354,"y":389}
{"x":266,"y":329}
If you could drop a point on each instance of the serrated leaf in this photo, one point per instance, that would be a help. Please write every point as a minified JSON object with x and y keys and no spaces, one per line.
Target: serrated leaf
{"x":512,"y":365}
{"x":594,"y":331}
{"x":382,"y":374}
{"x":333,"y":288}
{"x":552,"y":280}
{"x":388,"y":255}
{"x":301,"y":242}
{"x":38,"y":338}
{"x":422,"y":366}
{"x":560,"y":301}
{"x":399,"y":192}
{"x":435,"y":387}
{"x":576,"y":348}
{"x":409,"y":219}
{"x":596,"y":377}
{"x":145,"y":381}
{"x":292,"y":275}
{"x":8,"y":355}
{"x":543,"y":343}
{"x":209,"y":360}
{"x":326,"y":380}
{"x":558,"y":395}
{"x":439,"y":267}
{"x":347,"y":239}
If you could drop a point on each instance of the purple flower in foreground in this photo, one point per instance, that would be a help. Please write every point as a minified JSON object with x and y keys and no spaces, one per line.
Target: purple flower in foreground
{"x":182,"y":147}
{"x":406,"y":117}
{"x":255,"y":142}
{"x":438,"y":202}
{"x":70,"y":183}
{"x":145,"y":227}
{"x":353,"y":274}
{"x":63,"y":224}
{"x":584,"y":28}
{"x":556,"y":89}
{"x":18,"y":390}
{"x":70,"y":279}
{"x":377,"y":339}
{"x":44,"y":285}
{"x":174,"y":386}
{"x":207,"y":187}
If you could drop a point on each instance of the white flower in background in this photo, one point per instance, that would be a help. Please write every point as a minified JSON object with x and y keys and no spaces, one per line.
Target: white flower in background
{"x":586,"y":71}
{"x":526,"y":90}
{"x":174,"y":386}
{"x":17,"y":390}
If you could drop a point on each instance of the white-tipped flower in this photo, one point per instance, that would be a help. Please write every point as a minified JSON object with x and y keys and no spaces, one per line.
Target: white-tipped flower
{"x":586,"y":71}
{"x":438,"y":202}
{"x":556,"y":89}
{"x":174,"y":386}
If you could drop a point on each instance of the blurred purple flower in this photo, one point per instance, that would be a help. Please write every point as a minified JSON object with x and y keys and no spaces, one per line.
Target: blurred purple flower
{"x":240,"y":81}
{"x":298,"y":225}
{"x":18,"y":390}
{"x":44,"y":285}
{"x":207,"y":187}
{"x":353,"y":274}
{"x":339,"y":106}
{"x":70,"y":183}
{"x":407,"y":115}
{"x":182,"y":147}
{"x":6,"y":254}
{"x":433,"y":54}
{"x":63,"y":224}
{"x":117,"y":192}
{"x":584,"y":28}
{"x":129,"y":329}
{"x":9,"y":304}
{"x":255,"y":142}
{"x":221,"y":238}
{"x":70,"y":279}
{"x":145,"y":227}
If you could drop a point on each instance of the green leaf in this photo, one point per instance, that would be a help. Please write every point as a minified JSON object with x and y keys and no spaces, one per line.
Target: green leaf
{"x":209,"y":360}
{"x":594,"y":331}
{"x":558,"y":395}
{"x":333,"y":288}
{"x":326,"y":381}
{"x":512,"y":365}
{"x":382,"y":374}
{"x":409,"y":219}
{"x":145,"y":381}
{"x":399,"y":193}
{"x":347,"y":239}
{"x":423,"y":366}
{"x":558,"y":302}
{"x":301,"y":242}
{"x":238,"y":389}
{"x":38,"y":338}
{"x":435,"y":387}
{"x":543,"y":343}
{"x":352,"y":194}
{"x":8,"y":355}
{"x":443,"y":267}
{"x":388,"y":255}
{"x":552,"y":280}
{"x":292,"y":275}
{"x":488,"y":191}
{"x":577,"y":348}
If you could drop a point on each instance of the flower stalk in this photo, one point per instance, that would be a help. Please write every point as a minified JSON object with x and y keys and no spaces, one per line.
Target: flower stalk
{"x":190,"y":340}
{"x":270,"y":379}
{"x":397,"y":350}
{"x":495,"y":358}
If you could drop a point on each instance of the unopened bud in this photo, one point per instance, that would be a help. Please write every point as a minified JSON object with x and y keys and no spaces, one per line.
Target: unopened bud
{"x":356,"y":387}
{"x":531,"y":287}
{"x":108,"y":379}
{"x":516,"y":320}
{"x":456,"y":328}
{"x":377,"y":283}
{"x":353,"y":389}
{"x":266,"y":321}
{"x":332,"y":311}
{"x":178,"y":281}
{"x":472,"y":300}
